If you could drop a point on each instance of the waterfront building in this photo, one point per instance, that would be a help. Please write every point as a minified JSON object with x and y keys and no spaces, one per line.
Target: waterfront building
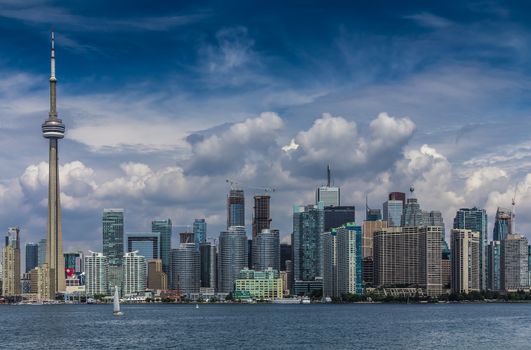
{"x":200,"y":232}
{"x":32,"y":256}
{"x":261,"y":214}
{"x":42,"y":251}
{"x":164,"y":228}
{"x":134,"y":272}
{"x":96,"y":274}
{"x":235,"y":208}
{"x":503,"y":224}
{"x":465,"y":261}
{"x":446,"y":273}
{"x":392,"y":212}
{"x":289,"y":276}
{"x":74,"y":267}
{"x":43,"y":288}
{"x":408,"y":256}
{"x":328,"y":195}
{"x":476,"y":220}
{"x":337,"y":216}
{"x":208,"y":256}
{"x":261,"y":285}
{"x":156,"y":278}
{"x":308,"y":226}
{"x":250,"y":253}
{"x":186,"y":269}
{"x":342,"y":256}
{"x":53,"y":130}
{"x":367,"y":271}
{"x":146,"y":243}
{"x":514,"y":259}
{"x":232,"y":257}
{"x":369,"y":228}
{"x":11,"y":263}
{"x":494,"y":266}
{"x":285,"y":254}
{"x":113,"y":235}
{"x":266,"y":250}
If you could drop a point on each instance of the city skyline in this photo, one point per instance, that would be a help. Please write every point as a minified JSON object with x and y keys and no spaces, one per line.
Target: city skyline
{"x":176,"y":166}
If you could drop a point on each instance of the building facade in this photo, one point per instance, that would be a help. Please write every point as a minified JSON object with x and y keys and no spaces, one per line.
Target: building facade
{"x":514,"y":263}
{"x":200,"y":232}
{"x":392,"y":212}
{"x":308,"y":226}
{"x":96,"y":274}
{"x":337,"y":216}
{"x":156,"y":277}
{"x":186,"y":269}
{"x":261,"y":285}
{"x":232,"y":257}
{"x":146,"y":243}
{"x":164,"y":229}
{"x":465,"y":246}
{"x":261,"y":214}
{"x":494,"y":266}
{"x":11,"y":263}
{"x":32,"y":256}
{"x":235,"y":208}
{"x":134,"y":271}
{"x":208,"y":253}
{"x":266,"y":250}
{"x":113,"y":235}
{"x":503,"y":224}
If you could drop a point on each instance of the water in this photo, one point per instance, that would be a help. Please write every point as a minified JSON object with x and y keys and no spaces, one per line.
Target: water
{"x":475,"y":326}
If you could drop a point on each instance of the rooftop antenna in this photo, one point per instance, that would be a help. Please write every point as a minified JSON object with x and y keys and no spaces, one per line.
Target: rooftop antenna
{"x":513,"y":212}
{"x":411,"y":190}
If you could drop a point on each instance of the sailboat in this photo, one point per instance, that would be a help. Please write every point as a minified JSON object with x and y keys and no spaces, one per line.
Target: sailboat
{"x":116,"y":303}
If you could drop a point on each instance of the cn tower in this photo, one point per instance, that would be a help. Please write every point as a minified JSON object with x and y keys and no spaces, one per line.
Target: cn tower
{"x":54,"y":129}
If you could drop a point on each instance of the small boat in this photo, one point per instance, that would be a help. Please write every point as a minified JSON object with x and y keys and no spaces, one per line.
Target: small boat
{"x":116,"y":303}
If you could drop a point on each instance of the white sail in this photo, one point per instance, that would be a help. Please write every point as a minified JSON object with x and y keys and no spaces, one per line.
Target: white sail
{"x":116,"y":301}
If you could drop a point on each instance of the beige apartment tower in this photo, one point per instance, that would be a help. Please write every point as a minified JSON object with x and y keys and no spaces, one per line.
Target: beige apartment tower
{"x":465,"y":246}
{"x":11,"y":263}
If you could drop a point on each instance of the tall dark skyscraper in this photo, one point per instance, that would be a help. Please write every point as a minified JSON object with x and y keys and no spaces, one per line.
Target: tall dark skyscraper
{"x":164,"y":228}
{"x":200,"y":232}
{"x":54,"y":130}
{"x":285,"y":254}
{"x":32,"y":256}
{"x":338,"y":216}
{"x":232,"y":257}
{"x":503,"y":224}
{"x":235,"y":208}
{"x":262,"y":214}
{"x":398,"y":196}
{"x":113,"y":236}
{"x":329,"y":195}
{"x":208,"y":265}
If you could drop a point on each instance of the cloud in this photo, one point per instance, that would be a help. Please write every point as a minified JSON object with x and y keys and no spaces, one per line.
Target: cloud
{"x":429,"y":20}
{"x":233,"y":49}
{"x":484,"y":177}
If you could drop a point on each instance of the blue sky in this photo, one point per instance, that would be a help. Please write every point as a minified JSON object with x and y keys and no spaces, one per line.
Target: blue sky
{"x":163,"y":102}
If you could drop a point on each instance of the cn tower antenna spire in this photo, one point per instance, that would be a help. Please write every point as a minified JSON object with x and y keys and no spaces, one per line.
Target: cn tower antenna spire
{"x":328,"y":175}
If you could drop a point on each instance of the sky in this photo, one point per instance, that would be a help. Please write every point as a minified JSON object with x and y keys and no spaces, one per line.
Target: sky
{"x":163,"y":102}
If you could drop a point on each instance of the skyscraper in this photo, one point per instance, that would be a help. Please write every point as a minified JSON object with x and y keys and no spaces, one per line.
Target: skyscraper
{"x":164,"y":228}
{"x":514,"y":269}
{"x":476,"y":220}
{"x":412,"y":215}
{"x":11,"y":265}
{"x":134,"y":273}
{"x":54,"y":129}
{"x":369,"y":228}
{"x":493,"y":263}
{"x":285,"y":254}
{"x":261,"y":214}
{"x":398,"y":196}
{"x":308,"y":226}
{"x":147,"y":244}
{"x":232,"y":257}
{"x":185,"y":268}
{"x":392,"y":212}
{"x":373,"y":214}
{"x":266,"y":250}
{"x":42,"y":251}
{"x":342,"y":261}
{"x":465,"y":261}
{"x":96,"y":269}
{"x":32,"y":256}
{"x":200,"y":232}
{"x":337,"y":216}
{"x":235,"y":208}
{"x":156,"y":278}
{"x":208,"y":265}
{"x":329,"y":195}
{"x":74,"y":268}
{"x":113,"y":236}
{"x":503,"y":224}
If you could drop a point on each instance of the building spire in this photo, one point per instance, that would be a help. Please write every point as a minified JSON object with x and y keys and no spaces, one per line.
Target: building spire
{"x":52,"y":67}
{"x":328,"y":175}
{"x":53,"y":81}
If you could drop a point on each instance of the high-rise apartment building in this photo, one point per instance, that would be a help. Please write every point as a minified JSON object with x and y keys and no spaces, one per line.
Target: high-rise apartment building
{"x":134,"y":272}
{"x":113,"y":236}
{"x":96,"y":270}
{"x":261,"y":285}
{"x":392,"y":212}
{"x":475,"y":219}
{"x":232,"y":257}
{"x":32,"y":256}
{"x":42,"y":251}
{"x":465,"y":246}
{"x":200,"y":232}
{"x":164,"y":228}
{"x":285,"y":254}
{"x":146,"y":243}
{"x":408,"y":256}
{"x":261,"y":214}
{"x":342,"y":261}
{"x":308,"y":226}
{"x":185,"y":268}
{"x":493,"y":263}
{"x":156,"y":278}
{"x":266,"y":250}
{"x":11,"y":263}
{"x":235,"y":208}
{"x":337,"y":216}
{"x":503,"y":224}
{"x":208,"y":253}
{"x":514,"y":263}
{"x":369,"y":228}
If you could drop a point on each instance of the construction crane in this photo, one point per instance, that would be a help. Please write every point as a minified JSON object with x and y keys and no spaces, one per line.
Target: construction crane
{"x":513,"y":212}
{"x":236,"y":185}
{"x":233,"y":184}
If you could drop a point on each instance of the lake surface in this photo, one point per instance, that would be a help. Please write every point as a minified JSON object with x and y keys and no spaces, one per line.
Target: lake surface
{"x":477,"y":326}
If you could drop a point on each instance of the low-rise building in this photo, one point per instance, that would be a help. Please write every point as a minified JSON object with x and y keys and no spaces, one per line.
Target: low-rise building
{"x":265,"y":284}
